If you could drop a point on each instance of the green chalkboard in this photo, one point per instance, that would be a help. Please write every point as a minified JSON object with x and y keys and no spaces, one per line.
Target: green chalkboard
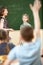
{"x":16,"y":8}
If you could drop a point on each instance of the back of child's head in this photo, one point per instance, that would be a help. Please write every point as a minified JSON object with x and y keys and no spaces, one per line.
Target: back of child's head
{"x":3,"y":35}
{"x":27,"y":33}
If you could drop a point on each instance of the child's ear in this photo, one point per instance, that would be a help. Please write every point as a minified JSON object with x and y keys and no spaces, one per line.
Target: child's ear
{"x":21,"y":38}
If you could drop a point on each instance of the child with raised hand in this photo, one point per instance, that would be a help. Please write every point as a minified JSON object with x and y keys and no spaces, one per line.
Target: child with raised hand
{"x":28,"y":52}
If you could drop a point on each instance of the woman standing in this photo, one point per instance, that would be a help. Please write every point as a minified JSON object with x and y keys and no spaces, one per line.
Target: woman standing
{"x":3,"y":14}
{"x":3,"y":21}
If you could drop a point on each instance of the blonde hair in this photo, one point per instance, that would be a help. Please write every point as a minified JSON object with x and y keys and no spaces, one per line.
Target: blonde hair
{"x":25,"y":15}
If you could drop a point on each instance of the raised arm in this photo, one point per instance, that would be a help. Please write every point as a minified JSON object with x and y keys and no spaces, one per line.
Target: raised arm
{"x":35,"y":9}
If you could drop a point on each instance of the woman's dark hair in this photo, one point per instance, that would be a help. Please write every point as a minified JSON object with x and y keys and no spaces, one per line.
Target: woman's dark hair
{"x":2,"y":9}
{"x":27,"y":33}
{"x":3,"y":35}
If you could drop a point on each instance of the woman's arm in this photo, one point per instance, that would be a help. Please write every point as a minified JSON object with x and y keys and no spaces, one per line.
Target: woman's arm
{"x":1,"y":23}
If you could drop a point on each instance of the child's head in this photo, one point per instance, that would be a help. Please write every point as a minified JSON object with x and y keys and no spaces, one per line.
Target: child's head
{"x":25,"y":17}
{"x":3,"y":11}
{"x":3,"y":35}
{"x":26,"y":33}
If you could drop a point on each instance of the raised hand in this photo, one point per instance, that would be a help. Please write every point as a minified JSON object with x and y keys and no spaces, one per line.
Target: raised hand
{"x":36,"y":6}
{"x":35,"y":9}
